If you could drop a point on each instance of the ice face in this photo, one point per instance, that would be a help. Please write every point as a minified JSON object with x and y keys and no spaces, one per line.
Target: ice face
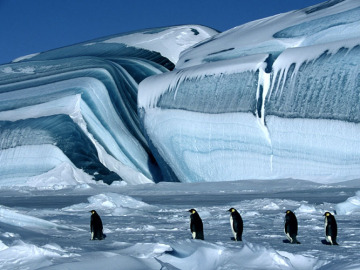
{"x":77,"y":106}
{"x":275,"y":98}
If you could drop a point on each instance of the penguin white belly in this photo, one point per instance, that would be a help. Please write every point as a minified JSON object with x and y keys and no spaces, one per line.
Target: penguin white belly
{"x":289,"y":237}
{"x":328,"y":237}
{"x":92,"y":236}
{"x":232,"y":227}
{"x":194,"y":235}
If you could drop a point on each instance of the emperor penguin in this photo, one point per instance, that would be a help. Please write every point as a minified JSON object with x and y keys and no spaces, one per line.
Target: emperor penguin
{"x":291,"y":227}
{"x":330,"y":228}
{"x":236,"y":224}
{"x":96,"y":226}
{"x":196,"y":225}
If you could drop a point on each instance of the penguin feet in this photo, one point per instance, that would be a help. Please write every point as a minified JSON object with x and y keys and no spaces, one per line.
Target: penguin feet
{"x":324,"y":242}
{"x":291,"y":242}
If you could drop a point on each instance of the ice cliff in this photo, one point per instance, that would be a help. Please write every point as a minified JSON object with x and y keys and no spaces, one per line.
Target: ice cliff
{"x":76,"y":107}
{"x":274,"y":98}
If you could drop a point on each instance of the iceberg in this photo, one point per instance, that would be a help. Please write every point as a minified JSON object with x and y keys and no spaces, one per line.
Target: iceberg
{"x":274,"y":98}
{"x":271,"y":99}
{"x":77,"y":106}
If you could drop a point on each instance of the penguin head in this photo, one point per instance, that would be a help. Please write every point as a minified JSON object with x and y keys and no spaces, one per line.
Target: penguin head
{"x":93,"y":212}
{"x":232,"y":210}
{"x":327,"y":214}
{"x":192,"y":211}
{"x":288,"y":212}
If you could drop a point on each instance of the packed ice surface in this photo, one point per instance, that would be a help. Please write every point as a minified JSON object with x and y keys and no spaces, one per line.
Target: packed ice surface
{"x":274,"y":98}
{"x":147,"y":226}
{"x":76,"y":108}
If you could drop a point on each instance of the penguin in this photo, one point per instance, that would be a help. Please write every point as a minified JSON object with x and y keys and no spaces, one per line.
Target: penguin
{"x":96,"y":226}
{"x":196,"y":225}
{"x":236,"y":224}
{"x":291,"y":227}
{"x":330,"y":228}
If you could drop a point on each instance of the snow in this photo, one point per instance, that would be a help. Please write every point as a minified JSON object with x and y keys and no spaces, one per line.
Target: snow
{"x":170,"y":42}
{"x":147,"y":226}
{"x":350,"y":206}
{"x":322,"y":25}
{"x":26,"y":57}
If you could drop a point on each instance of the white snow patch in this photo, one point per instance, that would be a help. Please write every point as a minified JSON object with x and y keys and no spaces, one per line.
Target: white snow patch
{"x":18,"y":219}
{"x":306,"y":209}
{"x":25,"y":57}
{"x":170,"y":42}
{"x":350,"y":206}
{"x":111,"y":204}
{"x":62,"y":176}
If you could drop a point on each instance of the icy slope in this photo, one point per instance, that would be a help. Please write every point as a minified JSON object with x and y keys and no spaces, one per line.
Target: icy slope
{"x":274,"y":98}
{"x":76,"y":108}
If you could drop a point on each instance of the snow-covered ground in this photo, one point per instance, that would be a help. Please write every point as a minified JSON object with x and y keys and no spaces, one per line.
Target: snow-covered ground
{"x":147,"y":226}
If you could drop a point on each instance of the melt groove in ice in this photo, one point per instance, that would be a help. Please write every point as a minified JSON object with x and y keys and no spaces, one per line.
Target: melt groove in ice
{"x":274,"y":98}
{"x":77,"y":106}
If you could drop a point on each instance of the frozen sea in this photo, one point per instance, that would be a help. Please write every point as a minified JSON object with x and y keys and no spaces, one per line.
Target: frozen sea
{"x":147,"y":226}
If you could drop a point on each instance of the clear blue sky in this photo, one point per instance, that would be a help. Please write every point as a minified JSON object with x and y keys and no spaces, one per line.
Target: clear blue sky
{"x":31,"y":26}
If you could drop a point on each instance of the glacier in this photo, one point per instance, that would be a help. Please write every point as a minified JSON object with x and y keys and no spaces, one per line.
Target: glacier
{"x":274,"y":98}
{"x":271,"y":99}
{"x":76,"y":107}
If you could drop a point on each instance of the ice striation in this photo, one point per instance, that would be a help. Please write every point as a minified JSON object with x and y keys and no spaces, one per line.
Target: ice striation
{"x":274,"y":98}
{"x":76,"y":107}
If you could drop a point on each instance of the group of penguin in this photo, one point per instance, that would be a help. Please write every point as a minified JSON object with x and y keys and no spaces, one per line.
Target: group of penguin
{"x":236,"y":223}
{"x":291,"y":228}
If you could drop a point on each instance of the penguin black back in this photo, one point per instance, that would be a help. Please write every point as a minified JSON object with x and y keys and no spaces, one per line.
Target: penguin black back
{"x":291,"y":227}
{"x":96,"y":226}
{"x":196,"y":225}
{"x":330,"y":228}
{"x":236,"y":224}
